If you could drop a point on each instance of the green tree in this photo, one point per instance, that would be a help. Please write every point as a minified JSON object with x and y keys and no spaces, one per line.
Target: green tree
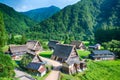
{"x":25,"y":60}
{"x":23,"y":39}
{"x":113,"y":46}
{"x":67,"y":40}
{"x":6,"y":66}
{"x":3,"y":36}
{"x":11,"y":39}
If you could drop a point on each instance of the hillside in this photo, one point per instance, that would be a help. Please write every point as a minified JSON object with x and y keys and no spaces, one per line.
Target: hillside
{"x":80,"y":21}
{"x":42,"y":13}
{"x":15,"y":22}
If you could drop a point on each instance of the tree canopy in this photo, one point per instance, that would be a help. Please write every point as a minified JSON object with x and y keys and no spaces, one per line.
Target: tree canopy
{"x":6,"y":66}
{"x":3,"y":35}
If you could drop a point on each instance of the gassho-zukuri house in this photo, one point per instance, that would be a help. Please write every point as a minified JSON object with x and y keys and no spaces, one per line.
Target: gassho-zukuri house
{"x":79,"y":45}
{"x":68,"y":56}
{"x":102,"y":55}
{"x":17,"y":51}
{"x":34,"y":46}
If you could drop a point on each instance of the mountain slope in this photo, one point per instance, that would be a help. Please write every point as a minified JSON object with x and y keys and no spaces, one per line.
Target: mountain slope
{"x":41,"y":13}
{"x":79,"y":21}
{"x":15,"y":22}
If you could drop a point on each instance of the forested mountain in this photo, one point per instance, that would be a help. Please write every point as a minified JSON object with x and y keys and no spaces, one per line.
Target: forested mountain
{"x":80,"y":21}
{"x":15,"y":22}
{"x":42,"y":13}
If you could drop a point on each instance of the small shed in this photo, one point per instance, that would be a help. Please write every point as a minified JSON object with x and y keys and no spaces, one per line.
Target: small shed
{"x":52,"y":44}
{"x":34,"y":46}
{"x":38,"y":68}
{"x":36,"y":65}
{"x":102,"y":55}
{"x":17,"y":51}
{"x":95,"y":47}
{"x":68,"y":56}
{"x":79,"y":45}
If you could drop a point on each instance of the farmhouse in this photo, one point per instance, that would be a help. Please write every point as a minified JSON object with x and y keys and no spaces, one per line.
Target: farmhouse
{"x":52,"y":44}
{"x":68,"y":56}
{"x":102,"y":55}
{"x":34,"y":47}
{"x":36,"y":65}
{"x":17,"y":52}
{"x":78,"y":44}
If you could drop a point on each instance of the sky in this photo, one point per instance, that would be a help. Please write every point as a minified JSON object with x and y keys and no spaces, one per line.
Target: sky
{"x":25,"y":5}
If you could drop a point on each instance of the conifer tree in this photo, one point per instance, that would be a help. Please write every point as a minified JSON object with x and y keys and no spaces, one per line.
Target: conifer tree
{"x":3,"y":36}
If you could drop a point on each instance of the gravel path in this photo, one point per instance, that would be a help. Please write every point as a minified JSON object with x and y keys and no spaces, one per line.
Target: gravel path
{"x":54,"y":63}
{"x":55,"y":73}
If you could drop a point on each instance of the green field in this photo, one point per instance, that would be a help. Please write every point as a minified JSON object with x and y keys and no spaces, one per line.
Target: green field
{"x":102,"y":70}
{"x":83,"y":54}
{"x":46,"y":54}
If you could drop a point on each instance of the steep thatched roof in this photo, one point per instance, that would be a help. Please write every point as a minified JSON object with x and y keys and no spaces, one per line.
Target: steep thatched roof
{"x":78,"y":44}
{"x":52,"y":44}
{"x":73,"y":60}
{"x":34,"y":45}
{"x":63,"y":50}
{"x":17,"y":49}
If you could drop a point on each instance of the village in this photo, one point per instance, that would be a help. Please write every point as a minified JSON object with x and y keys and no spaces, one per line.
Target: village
{"x":63,"y":59}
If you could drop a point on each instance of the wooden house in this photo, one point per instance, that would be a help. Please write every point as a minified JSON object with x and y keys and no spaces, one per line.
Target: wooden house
{"x":102,"y":55}
{"x":34,"y":47}
{"x":17,"y":51}
{"x":36,"y":66}
{"x":95,"y":47}
{"x":68,"y":56}
{"x":79,"y":45}
{"x":52,"y":44}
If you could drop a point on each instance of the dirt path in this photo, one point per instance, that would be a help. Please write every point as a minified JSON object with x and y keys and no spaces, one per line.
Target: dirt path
{"x":54,"y":63}
{"x":55,"y":73}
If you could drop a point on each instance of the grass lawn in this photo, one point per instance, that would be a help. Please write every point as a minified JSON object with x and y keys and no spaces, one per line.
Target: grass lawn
{"x":46,"y":54}
{"x":83,"y":54}
{"x":101,"y":70}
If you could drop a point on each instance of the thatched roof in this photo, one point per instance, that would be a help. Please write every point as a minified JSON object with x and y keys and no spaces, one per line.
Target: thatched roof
{"x":78,"y":44}
{"x":73,"y":60}
{"x":63,"y":50}
{"x":34,"y":45}
{"x":17,"y":49}
{"x":52,"y":44}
